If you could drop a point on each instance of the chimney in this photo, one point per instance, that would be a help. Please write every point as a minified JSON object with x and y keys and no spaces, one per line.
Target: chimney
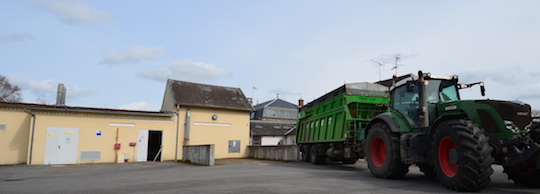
{"x":61,"y":95}
{"x":250,"y":100}
{"x":300,"y":102}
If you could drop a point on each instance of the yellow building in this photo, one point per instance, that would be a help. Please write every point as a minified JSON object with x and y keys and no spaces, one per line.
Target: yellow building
{"x":192,"y":114}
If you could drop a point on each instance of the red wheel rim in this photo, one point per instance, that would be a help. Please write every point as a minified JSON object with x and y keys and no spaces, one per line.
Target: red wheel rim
{"x":449,"y":168}
{"x":377,"y":151}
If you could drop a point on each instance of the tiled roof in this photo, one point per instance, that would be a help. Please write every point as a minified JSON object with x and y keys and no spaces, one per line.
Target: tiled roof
{"x":201,"y":95}
{"x":270,"y":128}
{"x":276,"y":103}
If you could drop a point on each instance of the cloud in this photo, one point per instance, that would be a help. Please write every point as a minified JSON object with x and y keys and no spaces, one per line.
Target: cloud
{"x":133,"y":55}
{"x":47,"y":88}
{"x":16,"y":38}
{"x":74,"y":11}
{"x":143,"y":105}
{"x":187,"y":70}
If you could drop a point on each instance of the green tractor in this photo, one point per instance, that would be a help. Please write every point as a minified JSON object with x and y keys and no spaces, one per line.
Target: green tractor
{"x":451,"y":139}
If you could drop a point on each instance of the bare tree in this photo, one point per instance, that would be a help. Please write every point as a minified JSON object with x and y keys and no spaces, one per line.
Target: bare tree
{"x":9,"y":92}
{"x":41,"y":101}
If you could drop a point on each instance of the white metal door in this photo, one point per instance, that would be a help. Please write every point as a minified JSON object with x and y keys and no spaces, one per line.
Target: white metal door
{"x":61,"y":145}
{"x":142,"y":148}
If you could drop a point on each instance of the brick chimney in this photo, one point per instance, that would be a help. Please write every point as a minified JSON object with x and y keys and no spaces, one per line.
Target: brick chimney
{"x":300,"y":102}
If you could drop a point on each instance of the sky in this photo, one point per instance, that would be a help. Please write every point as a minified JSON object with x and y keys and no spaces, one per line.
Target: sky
{"x":119,"y":54}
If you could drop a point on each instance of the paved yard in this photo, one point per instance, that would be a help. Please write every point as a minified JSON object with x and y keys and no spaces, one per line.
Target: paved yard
{"x":227,"y":176}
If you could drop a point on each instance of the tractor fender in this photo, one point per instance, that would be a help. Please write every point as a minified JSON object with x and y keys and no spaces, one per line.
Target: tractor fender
{"x":385,"y":118}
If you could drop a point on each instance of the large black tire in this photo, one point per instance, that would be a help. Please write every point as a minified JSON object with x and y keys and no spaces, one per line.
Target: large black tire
{"x":461,"y":156}
{"x":529,"y":176}
{"x":383,"y":154}
{"x":305,"y":149}
{"x":315,"y":155}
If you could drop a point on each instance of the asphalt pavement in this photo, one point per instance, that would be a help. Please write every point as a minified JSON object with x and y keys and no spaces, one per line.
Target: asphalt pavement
{"x":227,"y":176}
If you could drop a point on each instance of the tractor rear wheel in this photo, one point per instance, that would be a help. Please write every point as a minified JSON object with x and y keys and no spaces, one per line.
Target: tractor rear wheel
{"x":527,"y":176}
{"x":461,"y":156}
{"x":383,"y":154}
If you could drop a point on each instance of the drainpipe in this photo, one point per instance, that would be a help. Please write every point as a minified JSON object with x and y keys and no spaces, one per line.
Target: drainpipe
{"x":177,"y":113}
{"x":32,"y":135}
{"x":188,"y":120}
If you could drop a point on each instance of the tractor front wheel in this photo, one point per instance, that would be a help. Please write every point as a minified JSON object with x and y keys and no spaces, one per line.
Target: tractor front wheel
{"x":461,"y":156}
{"x":383,"y":154}
{"x":527,"y":176}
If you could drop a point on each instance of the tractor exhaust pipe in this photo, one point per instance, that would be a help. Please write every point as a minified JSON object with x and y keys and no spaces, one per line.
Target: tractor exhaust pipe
{"x":423,"y":112}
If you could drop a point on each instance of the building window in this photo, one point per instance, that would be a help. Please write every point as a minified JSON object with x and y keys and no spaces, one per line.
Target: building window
{"x":256,"y":141}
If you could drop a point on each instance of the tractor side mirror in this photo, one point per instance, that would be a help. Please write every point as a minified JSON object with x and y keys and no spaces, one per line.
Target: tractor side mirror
{"x":482,"y":90}
{"x":410,"y":86}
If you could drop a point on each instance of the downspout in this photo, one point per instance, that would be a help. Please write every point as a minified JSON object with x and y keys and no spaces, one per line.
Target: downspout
{"x":177,"y":113}
{"x":31,"y":136}
{"x":188,"y":120}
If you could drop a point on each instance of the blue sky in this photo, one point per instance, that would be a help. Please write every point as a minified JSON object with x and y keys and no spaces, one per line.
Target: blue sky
{"x":119,"y":54}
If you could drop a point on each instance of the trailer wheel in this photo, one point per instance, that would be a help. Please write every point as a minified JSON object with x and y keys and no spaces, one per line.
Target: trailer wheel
{"x":527,"y":176}
{"x":315,"y":156}
{"x":383,"y":154}
{"x":461,"y":156}
{"x":305,"y":153}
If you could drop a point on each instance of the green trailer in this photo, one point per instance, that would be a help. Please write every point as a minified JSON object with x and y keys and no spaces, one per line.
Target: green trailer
{"x":333,"y":125}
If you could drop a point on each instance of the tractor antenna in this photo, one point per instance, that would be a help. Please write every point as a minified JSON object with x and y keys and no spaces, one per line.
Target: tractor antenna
{"x":397,"y":59}
{"x":380,"y":65}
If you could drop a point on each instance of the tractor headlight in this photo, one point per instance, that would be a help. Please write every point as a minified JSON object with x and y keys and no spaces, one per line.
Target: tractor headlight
{"x":511,"y":126}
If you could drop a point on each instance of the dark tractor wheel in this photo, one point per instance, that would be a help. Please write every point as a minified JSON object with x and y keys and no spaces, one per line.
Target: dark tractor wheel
{"x":315,"y":155}
{"x":306,"y":149}
{"x":428,"y":170}
{"x":382,"y":153}
{"x":461,"y":156}
{"x":527,"y":176}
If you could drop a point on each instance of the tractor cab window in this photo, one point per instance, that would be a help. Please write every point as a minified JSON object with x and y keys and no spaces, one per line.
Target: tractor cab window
{"x":406,"y":103}
{"x":441,"y":91}
{"x":449,"y":93}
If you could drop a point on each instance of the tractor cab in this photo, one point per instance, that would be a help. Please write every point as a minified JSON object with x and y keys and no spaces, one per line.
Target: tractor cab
{"x":406,"y":98}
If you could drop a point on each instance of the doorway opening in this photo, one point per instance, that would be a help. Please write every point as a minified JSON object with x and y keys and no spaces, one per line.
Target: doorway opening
{"x":154,"y":146}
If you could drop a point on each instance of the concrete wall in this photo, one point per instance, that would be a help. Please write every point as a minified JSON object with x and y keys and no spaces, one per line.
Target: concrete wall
{"x":201,"y":154}
{"x":280,"y":152}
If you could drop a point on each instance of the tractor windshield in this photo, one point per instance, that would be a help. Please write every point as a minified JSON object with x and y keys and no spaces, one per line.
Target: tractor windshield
{"x":441,"y":91}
